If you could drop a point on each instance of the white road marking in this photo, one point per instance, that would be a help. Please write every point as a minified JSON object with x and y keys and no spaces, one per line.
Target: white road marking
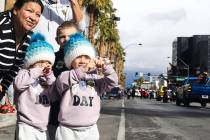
{"x":121,"y":132}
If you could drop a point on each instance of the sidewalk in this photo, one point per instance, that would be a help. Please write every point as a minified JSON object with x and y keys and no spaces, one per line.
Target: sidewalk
{"x":7,"y":119}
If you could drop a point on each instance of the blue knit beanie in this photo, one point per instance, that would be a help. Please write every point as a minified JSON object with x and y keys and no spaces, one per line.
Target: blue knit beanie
{"x":76,"y":46}
{"x":39,"y":50}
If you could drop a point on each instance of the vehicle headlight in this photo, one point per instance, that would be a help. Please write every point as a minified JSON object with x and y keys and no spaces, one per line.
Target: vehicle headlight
{"x":189,"y":88}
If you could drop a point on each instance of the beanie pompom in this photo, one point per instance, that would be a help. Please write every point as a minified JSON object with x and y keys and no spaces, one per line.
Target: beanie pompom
{"x":38,"y":50}
{"x":37,"y":37}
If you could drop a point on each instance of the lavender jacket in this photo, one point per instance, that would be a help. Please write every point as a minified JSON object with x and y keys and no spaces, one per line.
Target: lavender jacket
{"x":80,"y":102}
{"x":32,"y":99}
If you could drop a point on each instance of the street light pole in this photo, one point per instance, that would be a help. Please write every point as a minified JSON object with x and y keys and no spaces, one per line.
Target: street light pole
{"x":132,"y":44}
{"x":129,"y":45}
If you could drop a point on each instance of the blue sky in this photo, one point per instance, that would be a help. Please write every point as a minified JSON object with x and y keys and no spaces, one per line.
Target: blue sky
{"x":156,"y":24}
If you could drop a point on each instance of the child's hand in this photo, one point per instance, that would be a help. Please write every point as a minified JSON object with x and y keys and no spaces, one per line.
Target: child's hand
{"x":47,"y":70}
{"x":91,"y":65}
{"x":97,"y":62}
{"x":101,"y":62}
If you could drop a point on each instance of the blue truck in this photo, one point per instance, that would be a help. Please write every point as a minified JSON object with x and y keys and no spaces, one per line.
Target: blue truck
{"x":193,"y":90}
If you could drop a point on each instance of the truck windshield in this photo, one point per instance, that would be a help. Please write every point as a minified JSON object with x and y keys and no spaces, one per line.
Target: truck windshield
{"x":197,"y":81}
{"x":193,"y":81}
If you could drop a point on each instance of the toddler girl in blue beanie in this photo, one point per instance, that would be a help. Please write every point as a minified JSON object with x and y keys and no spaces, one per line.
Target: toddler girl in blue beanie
{"x":31,"y":90}
{"x":80,"y":88}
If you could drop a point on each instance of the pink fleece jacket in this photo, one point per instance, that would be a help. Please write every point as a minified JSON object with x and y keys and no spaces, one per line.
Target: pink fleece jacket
{"x":80,"y":102}
{"x":32,"y":98}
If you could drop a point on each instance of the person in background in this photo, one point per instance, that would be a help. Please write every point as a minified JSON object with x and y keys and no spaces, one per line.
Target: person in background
{"x":80,"y":88}
{"x":55,"y":13}
{"x":15,"y":31}
{"x":62,"y":36}
{"x":203,"y":77}
{"x":31,"y":90}
{"x":133,"y":92}
{"x":63,"y":32}
{"x":128,"y":92}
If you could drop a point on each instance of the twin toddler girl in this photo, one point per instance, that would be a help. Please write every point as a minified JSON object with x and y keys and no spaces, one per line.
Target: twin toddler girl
{"x":78,"y":90}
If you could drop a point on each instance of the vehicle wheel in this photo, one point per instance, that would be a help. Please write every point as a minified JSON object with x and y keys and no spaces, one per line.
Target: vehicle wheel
{"x":186,"y":100}
{"x":178,"y":102}
{"x":158,"y":98}
{"x":203,"y":104}
{"x":186,"y":103}
{"x":165,"y":100}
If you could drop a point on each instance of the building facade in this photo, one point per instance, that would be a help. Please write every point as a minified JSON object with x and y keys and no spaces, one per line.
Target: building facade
{"x":190,"y":55}
{"x":201,"y":53}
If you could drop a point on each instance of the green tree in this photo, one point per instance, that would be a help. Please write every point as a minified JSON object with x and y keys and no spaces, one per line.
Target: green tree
{"x":101,"y":26}
{"x":139,"y":81}
{"x":94,"y":7}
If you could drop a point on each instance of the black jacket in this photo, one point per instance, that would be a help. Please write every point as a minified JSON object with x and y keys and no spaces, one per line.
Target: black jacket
{"x":59,"y":65}
{"x":11,"y":59}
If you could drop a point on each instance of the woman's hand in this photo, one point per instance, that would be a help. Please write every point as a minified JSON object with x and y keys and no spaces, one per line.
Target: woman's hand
{"x":76,"y":10}
{"x":1,"y":89}
{"x":73,"y":1}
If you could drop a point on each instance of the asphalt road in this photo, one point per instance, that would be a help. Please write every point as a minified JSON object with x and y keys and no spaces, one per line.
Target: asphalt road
{"x":7,"y":133}
{"x":152,"y":120}
{"x":144,"y":119}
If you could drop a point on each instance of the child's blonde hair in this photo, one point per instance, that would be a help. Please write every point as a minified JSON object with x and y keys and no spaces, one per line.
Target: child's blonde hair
{"x":68,"y":24}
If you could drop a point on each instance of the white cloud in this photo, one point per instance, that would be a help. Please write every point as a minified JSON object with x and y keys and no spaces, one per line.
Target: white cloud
{"x":156,"y":24}
{"x":170,"y":16}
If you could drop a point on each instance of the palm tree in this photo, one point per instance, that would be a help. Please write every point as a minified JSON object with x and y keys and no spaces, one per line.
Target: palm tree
{"x":107,"y":41}
{"x":119,"y":64}
{"x":109,"y":45}
{"x":108,"y":33}
{"x":94,"y":7}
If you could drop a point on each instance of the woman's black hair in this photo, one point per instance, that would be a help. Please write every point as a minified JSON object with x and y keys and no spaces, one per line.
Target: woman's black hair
{"x":19,"y":3}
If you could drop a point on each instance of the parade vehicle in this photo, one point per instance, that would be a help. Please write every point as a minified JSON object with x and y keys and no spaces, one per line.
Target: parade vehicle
{"x":162,"y":94}
{"x":193,"y":89}
{"x":114,"y":93}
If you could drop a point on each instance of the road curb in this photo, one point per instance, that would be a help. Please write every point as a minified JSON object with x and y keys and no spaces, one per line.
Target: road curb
{"x":7,"y":119}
